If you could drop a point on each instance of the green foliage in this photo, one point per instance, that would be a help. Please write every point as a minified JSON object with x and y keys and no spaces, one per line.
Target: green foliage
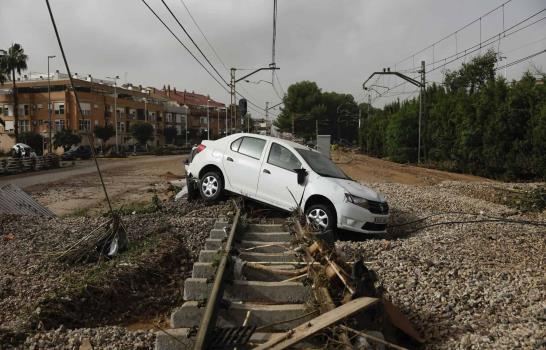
{"x":305,"y":105}
{"x":104,"y":133}
{"x":170,"y":134}
{"x":142,"y":132}
{"x":34,"y":140}
{"x":66,"y":138}
{"x":533,"y":200}
{"x":474,"y":122}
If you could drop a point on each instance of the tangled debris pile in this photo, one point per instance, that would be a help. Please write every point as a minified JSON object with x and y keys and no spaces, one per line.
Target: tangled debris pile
{"x":39,"y":293}
{"x":463,"y":285}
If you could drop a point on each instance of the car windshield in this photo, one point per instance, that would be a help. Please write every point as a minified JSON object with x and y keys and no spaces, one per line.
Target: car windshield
{"x":321,"y":164}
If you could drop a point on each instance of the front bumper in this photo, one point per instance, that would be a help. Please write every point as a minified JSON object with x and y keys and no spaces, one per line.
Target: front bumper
{"x":351,"y":217}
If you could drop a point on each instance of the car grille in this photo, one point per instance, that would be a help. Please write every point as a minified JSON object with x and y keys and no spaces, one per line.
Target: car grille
{"x":370,"y":226}
{"x":378,"y":207}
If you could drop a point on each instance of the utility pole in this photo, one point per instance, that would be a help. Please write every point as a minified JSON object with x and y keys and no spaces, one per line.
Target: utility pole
{"x":218,"y":116}
{"x":115,"y":108}
{"x":421,"y":107}
{"x":208,"y":120}
{"x":368,"y":118}
{"x":233,"y":91}
{"x":227,"y":133}
{"x":421,"y":84}
{"x":49,"y":144}
{"x":233,"y":99}
{"x":266,"y":111}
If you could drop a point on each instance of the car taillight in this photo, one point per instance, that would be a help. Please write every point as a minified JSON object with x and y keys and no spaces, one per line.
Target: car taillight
{"x":200,"y":148}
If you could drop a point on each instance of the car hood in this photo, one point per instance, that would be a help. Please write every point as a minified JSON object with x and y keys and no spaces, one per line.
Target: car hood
{"x":358,"y":190}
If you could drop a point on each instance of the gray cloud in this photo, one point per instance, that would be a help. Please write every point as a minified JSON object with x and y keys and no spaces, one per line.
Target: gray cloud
{"x":335,"y":43}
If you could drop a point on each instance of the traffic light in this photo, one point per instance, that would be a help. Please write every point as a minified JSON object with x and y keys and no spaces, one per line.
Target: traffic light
{"x":242,"y":106}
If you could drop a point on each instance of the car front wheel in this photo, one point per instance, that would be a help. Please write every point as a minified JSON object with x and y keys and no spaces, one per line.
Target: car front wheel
{"x":320,"y":218}
{"x":210,"y":186}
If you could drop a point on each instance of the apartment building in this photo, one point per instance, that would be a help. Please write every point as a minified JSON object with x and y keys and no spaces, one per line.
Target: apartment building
{"x":203,"y":113}
{"x":98,"y":99}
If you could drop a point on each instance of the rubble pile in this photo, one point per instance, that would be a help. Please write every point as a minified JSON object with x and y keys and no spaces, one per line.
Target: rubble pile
{"x":38,"y":292}
{"x":477,"y":285}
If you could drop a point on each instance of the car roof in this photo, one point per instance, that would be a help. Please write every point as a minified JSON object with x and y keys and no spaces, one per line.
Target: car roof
{"x":273,"y":139}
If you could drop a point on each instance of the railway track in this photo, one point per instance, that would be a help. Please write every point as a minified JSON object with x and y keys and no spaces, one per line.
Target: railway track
{"x":261,"y":286}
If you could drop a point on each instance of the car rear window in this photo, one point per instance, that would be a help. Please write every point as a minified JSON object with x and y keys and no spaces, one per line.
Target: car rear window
{"x":235,"y":144}
{"x":251,"y":147}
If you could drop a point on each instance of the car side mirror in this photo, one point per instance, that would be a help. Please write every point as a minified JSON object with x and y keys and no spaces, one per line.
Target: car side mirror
{"x":302,"y":174}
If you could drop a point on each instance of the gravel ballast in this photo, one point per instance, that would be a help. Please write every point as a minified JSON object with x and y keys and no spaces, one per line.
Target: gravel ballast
{"x":464,"y":286}
{"x":44,"y":302}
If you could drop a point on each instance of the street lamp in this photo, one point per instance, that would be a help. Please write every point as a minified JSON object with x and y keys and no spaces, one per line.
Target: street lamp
{"x":49,"y":148}
{"x":208,"y":120}
{"x":115,"y":108}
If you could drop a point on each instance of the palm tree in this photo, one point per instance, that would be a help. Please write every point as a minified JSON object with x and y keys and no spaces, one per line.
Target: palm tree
{"x":15,"y":60}
{"x":3,"y":75}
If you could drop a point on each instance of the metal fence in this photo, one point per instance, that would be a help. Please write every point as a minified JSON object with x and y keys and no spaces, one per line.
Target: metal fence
{"x":13,"y":200}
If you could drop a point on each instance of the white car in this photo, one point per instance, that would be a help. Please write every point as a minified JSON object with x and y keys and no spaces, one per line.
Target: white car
{"x":286,"y":175}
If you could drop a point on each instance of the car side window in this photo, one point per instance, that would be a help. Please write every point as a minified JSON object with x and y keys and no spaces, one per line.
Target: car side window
{"x":282,"y":157}
{"x":252,"y":147}
{"x":235,"y":144}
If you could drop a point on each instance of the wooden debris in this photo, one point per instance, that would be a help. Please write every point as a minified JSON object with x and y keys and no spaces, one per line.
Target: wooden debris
{"x":296,"y":335}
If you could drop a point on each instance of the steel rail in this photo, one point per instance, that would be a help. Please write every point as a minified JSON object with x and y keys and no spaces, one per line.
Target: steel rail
{"x":208,"y":322}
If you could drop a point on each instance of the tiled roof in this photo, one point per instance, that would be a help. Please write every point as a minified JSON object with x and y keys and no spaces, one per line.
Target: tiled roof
{"x":189,"y":99}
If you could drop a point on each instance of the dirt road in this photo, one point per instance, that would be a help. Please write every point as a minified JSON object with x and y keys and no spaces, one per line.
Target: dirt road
{"x":368,"y":170}
{"x":131,"y":180}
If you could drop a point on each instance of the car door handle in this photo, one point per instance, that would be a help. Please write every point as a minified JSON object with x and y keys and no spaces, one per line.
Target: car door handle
{"x":229,"y":159}
{"x":267,"y":171}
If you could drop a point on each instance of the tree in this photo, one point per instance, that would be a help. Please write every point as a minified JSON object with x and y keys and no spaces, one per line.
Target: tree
{"x":15,"y":60}
{"x":142,"y":132}
{"x":34,"y":140}
{"x":66,"y":138}
{"x":170,"y":134}
{"x":104,"y":133}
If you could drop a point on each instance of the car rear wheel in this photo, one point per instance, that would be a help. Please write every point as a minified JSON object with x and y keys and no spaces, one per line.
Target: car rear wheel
{"x":211,"y":186}
{"x":320,"y":218}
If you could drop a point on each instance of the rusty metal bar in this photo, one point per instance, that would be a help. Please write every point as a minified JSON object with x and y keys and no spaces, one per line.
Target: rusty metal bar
{"x":208,"y":322}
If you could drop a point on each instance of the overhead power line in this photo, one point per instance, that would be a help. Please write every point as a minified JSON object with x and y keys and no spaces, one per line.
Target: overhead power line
{"x":479,"y":19}
{"x":521,"y":59}
{"x":183,"y":45}
{"x":204,"y":36}
{"x":193,"y":41}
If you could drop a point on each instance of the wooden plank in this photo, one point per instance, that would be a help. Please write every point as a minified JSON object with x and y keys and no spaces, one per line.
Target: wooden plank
{"x":309,"y":328}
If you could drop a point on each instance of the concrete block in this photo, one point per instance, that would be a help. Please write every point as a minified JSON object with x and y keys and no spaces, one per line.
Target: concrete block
{"x":208,"y":256}
{"x":266,"y":228}
{"x":176,"y":339}
{"x":203,"y":270}
{"x":220,"y":224}
{"x":273,"y":257}
{"x":263,"y":247}
{"x":214,"y":244}
{"x":267,"y":236}
{"x":217,"y":234}
{"x":250,"y":291}
{"x":189,"y":315}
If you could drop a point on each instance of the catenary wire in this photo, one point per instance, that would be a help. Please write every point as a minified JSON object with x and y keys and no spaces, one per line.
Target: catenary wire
{"x":79,"y":107}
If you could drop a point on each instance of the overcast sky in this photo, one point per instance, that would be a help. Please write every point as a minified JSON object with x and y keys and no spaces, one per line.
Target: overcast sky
{"x":336,"y":43}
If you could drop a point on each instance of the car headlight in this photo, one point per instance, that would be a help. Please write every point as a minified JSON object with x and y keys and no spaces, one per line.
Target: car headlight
{"x":361,"y":202}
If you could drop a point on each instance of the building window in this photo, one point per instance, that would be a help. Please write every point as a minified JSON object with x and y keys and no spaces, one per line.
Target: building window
{"x":24,"y":125}
{"x":204,"y":121}
{"x":59,"y":124}
{"x":85,"y":125}
{"x":59,"y":108}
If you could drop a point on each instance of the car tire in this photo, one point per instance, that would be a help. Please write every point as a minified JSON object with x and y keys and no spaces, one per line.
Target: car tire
{"x":211,"y":186}
{"x":320,"y":218}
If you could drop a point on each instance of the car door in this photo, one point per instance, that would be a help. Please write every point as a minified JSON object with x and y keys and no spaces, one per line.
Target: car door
{"x":242,"y":163}
{"x":278,"y":183}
